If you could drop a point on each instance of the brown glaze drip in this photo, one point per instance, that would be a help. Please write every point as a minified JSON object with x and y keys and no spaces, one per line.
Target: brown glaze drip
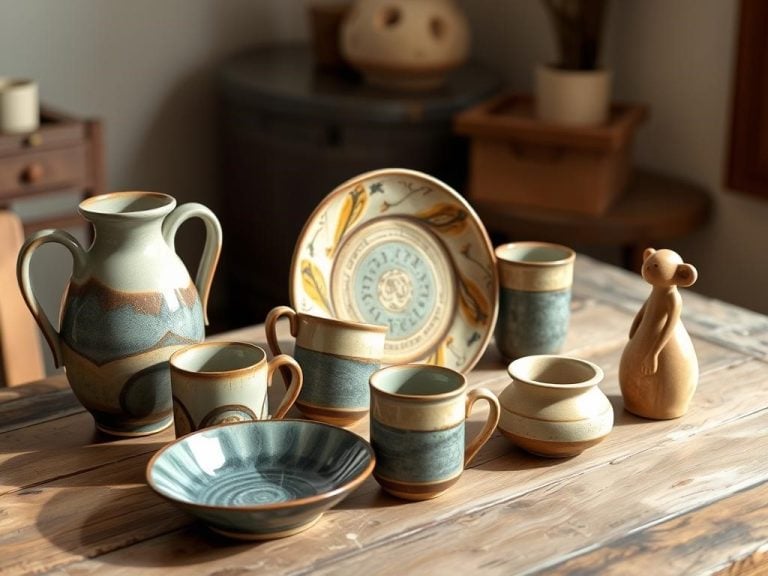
{"x":149,"y":303}
{"x":187,"y":295}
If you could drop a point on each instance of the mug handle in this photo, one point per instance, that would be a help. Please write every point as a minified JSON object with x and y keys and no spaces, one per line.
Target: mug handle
{"x":490,"y":424}
{"x":293,"y":389}
{"x":271,"y":329}
{"x":270,"y":326}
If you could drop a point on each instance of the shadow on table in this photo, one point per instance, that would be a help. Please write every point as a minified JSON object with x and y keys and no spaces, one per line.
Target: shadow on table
{"x":620,"y":416}
{"x":79,"y":465}
{"x":106,"y":525}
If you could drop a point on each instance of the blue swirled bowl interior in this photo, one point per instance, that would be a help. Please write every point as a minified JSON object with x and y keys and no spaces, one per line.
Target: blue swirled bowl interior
{"x":264,"y":479}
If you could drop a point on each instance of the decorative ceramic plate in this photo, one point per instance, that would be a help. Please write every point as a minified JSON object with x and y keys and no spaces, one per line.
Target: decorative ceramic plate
{"x":400,"y":248}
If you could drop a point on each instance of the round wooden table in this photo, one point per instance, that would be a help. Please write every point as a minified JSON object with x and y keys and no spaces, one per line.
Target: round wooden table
{"x":653,"y":209}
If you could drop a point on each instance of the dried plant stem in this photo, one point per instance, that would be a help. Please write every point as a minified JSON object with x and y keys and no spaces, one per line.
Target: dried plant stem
{"x":578,"y":28}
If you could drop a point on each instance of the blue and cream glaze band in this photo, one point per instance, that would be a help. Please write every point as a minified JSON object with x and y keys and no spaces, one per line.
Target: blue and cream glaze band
{"x":535,"y":266}
{"x":336,"y":381}
{"x":337,"y":359}
{"x":352,"y":340}
{"x":417,"y":424}
{"x":534,"y":297}
{"x":407,"y":456}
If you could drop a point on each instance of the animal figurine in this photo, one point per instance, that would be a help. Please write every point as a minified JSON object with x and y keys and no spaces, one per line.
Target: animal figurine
{"x":659,"y":371}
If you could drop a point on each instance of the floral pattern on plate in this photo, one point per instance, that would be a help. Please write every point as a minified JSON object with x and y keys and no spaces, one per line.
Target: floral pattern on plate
{"x":400,"y":248}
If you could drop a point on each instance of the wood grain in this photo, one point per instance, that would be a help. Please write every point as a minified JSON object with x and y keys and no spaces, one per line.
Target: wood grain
{"x":48,"y":404}
{"x":64,"y":447}
{"x":730,"y":530}
{"x":52,"y":384}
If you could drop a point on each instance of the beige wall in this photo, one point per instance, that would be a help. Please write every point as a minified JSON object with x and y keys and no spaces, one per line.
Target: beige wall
{"x":677,"y":56}
{"x":147,"y":68}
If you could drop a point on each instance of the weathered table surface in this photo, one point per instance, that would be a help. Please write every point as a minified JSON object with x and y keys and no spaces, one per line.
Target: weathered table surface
{"x":686,"y":496}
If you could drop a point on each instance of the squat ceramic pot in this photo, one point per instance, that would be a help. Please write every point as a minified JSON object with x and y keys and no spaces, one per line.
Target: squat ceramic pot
{"x":129,"y":305}
{"x":553,"y":407}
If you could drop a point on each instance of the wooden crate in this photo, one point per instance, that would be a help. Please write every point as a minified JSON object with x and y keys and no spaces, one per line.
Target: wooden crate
{"x":517,"y":159}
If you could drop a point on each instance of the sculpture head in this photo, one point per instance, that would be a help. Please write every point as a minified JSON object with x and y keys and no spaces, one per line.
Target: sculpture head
{"x":666,"y":268}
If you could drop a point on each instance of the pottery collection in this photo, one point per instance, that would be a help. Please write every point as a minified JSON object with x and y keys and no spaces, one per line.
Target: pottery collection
{"x":396,"y":292}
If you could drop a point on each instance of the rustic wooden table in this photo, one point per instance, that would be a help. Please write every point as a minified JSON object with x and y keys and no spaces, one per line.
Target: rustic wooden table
{"x":686,"y":496}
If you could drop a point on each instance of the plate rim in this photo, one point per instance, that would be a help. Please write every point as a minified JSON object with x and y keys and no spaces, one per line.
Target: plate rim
{"x":458,"y":198}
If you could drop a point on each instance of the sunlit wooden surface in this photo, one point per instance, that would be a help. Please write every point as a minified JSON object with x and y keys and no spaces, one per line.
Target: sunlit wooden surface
{"x":686,"y":496}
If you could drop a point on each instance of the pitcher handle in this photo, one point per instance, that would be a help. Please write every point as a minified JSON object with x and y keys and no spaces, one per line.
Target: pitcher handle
{"x":211,"y":250}
{"x":25,"y":281}
{"x":490,"y":424}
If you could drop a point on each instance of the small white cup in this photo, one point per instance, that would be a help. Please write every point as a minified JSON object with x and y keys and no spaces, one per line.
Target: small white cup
{"x":19,"y":108}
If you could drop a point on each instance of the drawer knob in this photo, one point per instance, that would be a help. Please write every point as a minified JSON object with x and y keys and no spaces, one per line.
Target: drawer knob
{"x":35,"y":139}
{"x":33,"y":173}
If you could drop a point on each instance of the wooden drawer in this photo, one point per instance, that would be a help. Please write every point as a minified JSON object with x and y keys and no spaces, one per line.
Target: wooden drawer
{"x":38,"y":171}
{"x":50,"y":135}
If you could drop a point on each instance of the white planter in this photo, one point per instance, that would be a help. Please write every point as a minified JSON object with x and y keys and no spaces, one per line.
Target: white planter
{"x":572,"y":97}
{"x":19,"y":110}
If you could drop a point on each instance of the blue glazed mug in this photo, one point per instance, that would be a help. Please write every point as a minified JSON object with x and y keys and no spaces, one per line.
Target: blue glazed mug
{"x":336,"y":357}
{"x":534,"y":298}
{"x":417,"y":428}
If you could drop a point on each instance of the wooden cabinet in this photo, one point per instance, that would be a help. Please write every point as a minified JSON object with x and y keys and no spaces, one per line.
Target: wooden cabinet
{"x":64,"y":156}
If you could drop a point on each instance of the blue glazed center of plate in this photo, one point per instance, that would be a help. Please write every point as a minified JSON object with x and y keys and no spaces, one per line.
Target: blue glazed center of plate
{"x":395,"y":272}
{"x":396,"y":287}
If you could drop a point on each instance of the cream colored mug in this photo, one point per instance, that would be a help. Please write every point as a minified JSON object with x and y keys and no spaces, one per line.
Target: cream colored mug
{"x":417,"y":428}
{"x":220,"y":382}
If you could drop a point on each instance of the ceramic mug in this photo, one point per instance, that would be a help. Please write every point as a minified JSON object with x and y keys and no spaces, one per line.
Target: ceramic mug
{"x":554,"y":407}
{"x":534,"y":298}
{"x":417,"y":428}
{"x":19,"y":108}
{"x":221,"y":382}
{"x":337,"y":358}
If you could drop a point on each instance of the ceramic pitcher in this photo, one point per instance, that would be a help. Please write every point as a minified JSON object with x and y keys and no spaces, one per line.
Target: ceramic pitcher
{"x":129,"y":305}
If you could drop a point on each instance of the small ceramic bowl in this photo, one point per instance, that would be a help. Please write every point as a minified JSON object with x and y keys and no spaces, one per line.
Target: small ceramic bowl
{"x":554,"y":407}
{"x":261,"y":480}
